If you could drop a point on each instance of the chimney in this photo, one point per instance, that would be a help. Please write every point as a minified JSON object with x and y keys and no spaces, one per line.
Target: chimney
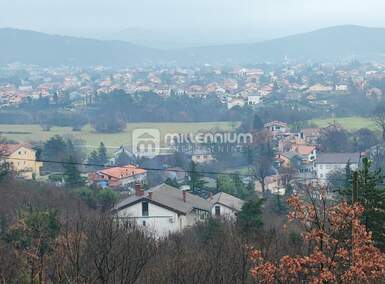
{"x":138,"y":189}
{"x":150,"y":195}
{"x":184,"y":195}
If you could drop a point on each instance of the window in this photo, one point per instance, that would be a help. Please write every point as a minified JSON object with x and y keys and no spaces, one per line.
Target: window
{"x":144,"y":209}
{"x":217,"y":210}
{"x":144,"y":223}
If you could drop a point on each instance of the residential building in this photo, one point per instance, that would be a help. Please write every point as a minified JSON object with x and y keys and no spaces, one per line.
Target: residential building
{"x":301,"y":157}
{"x":178,"y":174}
{"x":123,"y":178}
{"x":307,"y":152}
{"x":276,"y":127}
{"x":319,"y":88}
{"x":254,"y":100}
{"x":232,"y":102}
{"x":202,"y":157}
{"x":289,"y":159}
{"x":274,"y":183}
{"x":310,"y":135}
{"x":342,"y":88}
{"x":225,"y":205}
{"x":330,"y":162}
{"x":122,"y":150}
{"x":22,"y":160}
{"x":162,"y":210}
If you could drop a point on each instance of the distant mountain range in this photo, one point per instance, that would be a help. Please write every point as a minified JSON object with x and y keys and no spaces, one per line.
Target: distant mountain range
{"x":339,"y":43}
{"x":44,"y":49}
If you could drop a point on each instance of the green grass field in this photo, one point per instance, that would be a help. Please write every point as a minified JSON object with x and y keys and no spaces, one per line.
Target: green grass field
{"x":349,"y":123}
{"x":33,"y":133}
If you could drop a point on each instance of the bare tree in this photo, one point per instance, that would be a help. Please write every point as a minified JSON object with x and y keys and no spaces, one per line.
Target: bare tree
{"x":379,"y":119}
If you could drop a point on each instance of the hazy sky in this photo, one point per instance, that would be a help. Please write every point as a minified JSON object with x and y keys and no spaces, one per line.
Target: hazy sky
{"x":245,"y":19}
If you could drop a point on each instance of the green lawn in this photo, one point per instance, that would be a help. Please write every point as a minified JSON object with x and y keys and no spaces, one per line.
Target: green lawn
{"x":30,"y":133}
{"x":350,"y":123}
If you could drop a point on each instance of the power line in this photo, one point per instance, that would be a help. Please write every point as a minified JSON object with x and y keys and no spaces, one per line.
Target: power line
{"x":164,"y":170}
{"x":144,"y":168}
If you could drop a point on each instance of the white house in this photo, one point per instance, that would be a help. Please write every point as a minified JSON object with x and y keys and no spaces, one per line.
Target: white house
{"x":319,"y":88}
{"x":225,"y":205}
{"x":341,"y":88}
{"x":276,"y":127}
{"x":117,"y":153}
{"x":202,"y":157}
{"x":329,"y":162}
{"x":232,"y":102}
{"x":162,"y":210}
{"x":254,"y":100}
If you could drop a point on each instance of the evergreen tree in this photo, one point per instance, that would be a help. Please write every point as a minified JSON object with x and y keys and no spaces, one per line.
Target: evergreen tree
{"x":171,"y":182}
{"x":123,"y":159}
{"x":72,"y":175}
{"x":93,"y":158}
{"x":348,"y":175}
{"x":55,"y":149}
{"x":196,"y":182}
{"x":257,"y":123}
{"x":249,"y":219}
{"x":106,"y":198}
{"x":367,"y":189}
{"x":5,"y":170}
{"x":102,"y":154}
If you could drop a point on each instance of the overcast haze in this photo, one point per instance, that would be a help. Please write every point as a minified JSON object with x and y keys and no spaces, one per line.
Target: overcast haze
{"x":197,"y":21}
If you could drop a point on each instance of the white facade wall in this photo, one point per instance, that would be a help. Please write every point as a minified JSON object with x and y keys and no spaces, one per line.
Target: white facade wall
{"x":253,"y":100}
{"x":323,"y":170}
{"x":225,"y":211}
{"x":133,"y":179}
{"x":160,"y":221}
{"x":202,"y":158}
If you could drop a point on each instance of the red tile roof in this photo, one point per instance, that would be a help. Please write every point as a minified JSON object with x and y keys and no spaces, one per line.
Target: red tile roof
{"x":8,"y":149}
{"x":122,"y":172}
{"x":304,"y":149}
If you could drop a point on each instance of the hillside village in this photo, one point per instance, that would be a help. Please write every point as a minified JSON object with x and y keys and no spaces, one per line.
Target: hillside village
{"x":167,"y":191}
{"x":188,"y":180}
{"x":234,"y":86}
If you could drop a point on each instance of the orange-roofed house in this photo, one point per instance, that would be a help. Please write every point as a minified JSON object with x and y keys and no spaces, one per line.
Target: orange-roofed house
{"x":22,"y":160}
{"x":308,"y":156}
{"x":119,"y":177}
{"x":307,"y":152}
